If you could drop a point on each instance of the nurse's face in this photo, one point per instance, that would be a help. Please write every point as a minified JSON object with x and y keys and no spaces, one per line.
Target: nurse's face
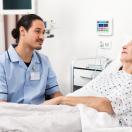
{"x":34,"y":37}
{"x":126,"y":54}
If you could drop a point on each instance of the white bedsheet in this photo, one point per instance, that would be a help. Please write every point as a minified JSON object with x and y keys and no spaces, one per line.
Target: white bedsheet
{"x":61,"y":118}
{"x":35,"y":118}
{"x":93,"y":121}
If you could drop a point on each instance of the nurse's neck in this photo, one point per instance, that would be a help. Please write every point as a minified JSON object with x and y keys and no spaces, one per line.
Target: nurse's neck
{"x":24,"y":52}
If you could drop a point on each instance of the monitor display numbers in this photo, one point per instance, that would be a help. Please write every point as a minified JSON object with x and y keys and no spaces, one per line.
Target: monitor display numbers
{"x":104,"y":27}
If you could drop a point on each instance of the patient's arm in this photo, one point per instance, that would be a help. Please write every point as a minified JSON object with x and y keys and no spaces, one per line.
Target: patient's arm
{"x":101,"y":104}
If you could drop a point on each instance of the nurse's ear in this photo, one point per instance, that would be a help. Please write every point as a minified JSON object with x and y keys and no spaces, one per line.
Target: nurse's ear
{"x":22,"y":31}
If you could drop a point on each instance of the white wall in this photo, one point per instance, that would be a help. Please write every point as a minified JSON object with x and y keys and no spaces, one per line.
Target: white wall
{"x":75,"y":33}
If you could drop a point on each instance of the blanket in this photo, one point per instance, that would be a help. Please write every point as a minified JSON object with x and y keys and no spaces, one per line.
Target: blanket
{"x":56,"y":118}
{"x":38,"y":118}
{"x":94,"y":121}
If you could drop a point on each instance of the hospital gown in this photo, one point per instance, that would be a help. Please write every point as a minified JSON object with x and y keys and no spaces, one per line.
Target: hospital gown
{"x":117,"y":87}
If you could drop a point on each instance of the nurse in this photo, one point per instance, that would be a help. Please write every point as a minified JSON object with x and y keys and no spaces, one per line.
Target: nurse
{"x":26,"y":76}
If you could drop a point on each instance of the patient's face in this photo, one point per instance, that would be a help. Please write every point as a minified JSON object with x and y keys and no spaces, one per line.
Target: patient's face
{"x":126,"y":54}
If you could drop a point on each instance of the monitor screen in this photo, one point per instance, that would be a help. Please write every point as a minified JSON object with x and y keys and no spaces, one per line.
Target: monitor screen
{"x":17,"y":6}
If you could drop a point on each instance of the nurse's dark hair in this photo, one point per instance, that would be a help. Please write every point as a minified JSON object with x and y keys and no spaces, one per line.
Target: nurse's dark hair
{"x":26,"y":22}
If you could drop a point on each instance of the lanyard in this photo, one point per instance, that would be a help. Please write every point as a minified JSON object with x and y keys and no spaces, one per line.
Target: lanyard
{"x":8,"y":56}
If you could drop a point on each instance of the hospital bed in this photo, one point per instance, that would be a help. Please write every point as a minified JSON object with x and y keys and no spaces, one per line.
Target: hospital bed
{"x":58,"y":118}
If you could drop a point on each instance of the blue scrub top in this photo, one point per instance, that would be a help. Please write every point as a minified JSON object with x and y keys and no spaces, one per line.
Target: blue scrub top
{"x":22,"y":84}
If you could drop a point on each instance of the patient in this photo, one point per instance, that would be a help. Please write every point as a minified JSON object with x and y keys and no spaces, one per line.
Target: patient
{"x":112,"y":93}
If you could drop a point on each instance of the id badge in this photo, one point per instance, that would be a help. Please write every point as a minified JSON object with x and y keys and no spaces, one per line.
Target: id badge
{"x":35,"y":76}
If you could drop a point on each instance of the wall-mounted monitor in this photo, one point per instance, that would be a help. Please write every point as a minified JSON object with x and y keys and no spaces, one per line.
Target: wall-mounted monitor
{"x":17,"y":6}
{"x":104,"y":26}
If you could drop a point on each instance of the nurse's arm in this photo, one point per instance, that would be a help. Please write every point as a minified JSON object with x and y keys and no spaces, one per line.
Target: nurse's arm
{"x":56,"y":94}
{"x":3,"y":85}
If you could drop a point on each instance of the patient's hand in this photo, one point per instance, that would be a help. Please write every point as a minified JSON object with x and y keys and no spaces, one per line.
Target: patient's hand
{"x":54,"y":101}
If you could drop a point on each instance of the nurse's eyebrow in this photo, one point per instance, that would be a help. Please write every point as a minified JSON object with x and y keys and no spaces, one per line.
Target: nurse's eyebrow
{"x":39,"y":29}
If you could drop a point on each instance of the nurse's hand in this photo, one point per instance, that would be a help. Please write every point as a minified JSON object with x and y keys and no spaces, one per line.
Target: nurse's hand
{"x":3,"y":101}
{"x":54,"y":101}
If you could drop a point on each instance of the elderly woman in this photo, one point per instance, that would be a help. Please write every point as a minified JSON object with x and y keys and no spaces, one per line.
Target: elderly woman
{"x":112,"y":92}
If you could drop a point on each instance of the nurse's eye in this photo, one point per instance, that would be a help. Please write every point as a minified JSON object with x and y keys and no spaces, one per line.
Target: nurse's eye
{"x":43,"y":32}
{"x":38,"y":31}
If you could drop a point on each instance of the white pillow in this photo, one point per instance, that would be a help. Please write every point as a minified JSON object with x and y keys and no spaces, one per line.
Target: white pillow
{"x":86,"y":91}
{"x":113,"y":66}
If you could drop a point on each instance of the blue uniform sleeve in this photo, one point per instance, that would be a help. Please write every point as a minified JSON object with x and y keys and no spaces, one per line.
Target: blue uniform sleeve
{"x":3,"y":84}
{"x":52,"y":84}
